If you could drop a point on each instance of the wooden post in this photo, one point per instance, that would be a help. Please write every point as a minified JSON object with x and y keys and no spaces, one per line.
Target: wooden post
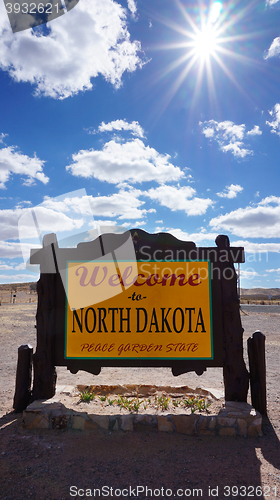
{"x":43,"y":359}
{"x":256,"y":354}
{"x":22,"y":395}
{"x":236,"y":376}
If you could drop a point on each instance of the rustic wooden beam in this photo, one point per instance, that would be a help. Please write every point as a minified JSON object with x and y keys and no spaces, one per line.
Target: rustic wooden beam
{"x":256,"y":354}
{"x":43,"y":359}
{"x":22,"y":395}
{"x":236,"y":376}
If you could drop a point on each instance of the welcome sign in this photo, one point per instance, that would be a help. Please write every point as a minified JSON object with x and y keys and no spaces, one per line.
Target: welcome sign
{"x":143,"y":310}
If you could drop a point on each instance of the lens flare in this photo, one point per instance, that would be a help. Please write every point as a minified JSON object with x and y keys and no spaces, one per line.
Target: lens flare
{"x":215,"y":12}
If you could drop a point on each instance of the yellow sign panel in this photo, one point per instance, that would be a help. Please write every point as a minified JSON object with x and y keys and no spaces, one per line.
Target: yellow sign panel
{"x":162,"y":310}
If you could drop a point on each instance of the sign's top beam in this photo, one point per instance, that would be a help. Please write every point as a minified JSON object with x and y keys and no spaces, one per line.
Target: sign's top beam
{"x":148,"y":247}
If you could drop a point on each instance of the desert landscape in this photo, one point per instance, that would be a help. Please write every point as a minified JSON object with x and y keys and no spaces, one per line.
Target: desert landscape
{"x":45,"y":464}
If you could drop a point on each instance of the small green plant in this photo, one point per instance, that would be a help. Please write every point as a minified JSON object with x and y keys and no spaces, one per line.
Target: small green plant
{"x":189,"y":402}
{"x":87,"y":396}
{"x":194,"y":403}
{"x":120,"y":401}
{"x":125,"y":403}
{"x":136,"y":404}
{"x":203,"y":405}
{"x":102,"y":398}
{"x":176,"y":402}
{"x":162,"y":402}
{"x":111,"y":401}
{"x":129,"y":404}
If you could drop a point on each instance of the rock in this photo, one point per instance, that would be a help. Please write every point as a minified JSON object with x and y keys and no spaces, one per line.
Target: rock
{"x":127,"y":422}
{"x":164,"y":424}
{"x":185,"y":424}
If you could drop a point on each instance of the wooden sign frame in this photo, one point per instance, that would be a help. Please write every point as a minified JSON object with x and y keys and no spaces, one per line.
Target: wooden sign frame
{"x":226,"y":322}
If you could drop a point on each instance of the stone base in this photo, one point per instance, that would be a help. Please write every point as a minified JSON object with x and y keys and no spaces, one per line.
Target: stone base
{"x":234,"y":419}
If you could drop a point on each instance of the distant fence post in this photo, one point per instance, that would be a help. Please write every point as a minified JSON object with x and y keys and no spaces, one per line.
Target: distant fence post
{"x":23,"y":378}
{"x":256,"y":354}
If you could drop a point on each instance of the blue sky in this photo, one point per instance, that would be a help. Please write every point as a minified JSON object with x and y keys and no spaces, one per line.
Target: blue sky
{"x":166,"y":113}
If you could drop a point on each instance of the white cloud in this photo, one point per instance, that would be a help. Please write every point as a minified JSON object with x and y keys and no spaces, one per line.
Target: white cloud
{"x":257,"y":221}
{"x":76,"y":204}
{"x":231,"y":191}
{"x":256,"y":248}
{"x":119,"y":125}
{"x":275,"y":124}
{"x":131,"y":161}
{"x":195,"y":237}
{"x":273,"y":270}
{"x":5,"y":267}
{"x":70,"y":215}
{"x":2,"y":137}
{"x":20,"y":267}
{"x":90,"y":40}
{"x":49,"y":220}
{"x":117,"y":226}
{"x":248,"y":274}
{"x":13,"y":250}
{"x":227,"y":130}
{"x":124,"y":204}
{"x":236,"y":149}
{"x":274,"y":49}
{"x":9,"y":223}
{"x":14,"y":162}
{"x":132,"y":6}
{"x":255,"y":131}
{"x":179,"y":198}
{"x":271,"y":2}
{"x":270,"y":199}
{"x":228,"y":135}
{"x":18,"y":278}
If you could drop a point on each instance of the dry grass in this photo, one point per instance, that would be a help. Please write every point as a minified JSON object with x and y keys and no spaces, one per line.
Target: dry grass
{"x":15,"y":293}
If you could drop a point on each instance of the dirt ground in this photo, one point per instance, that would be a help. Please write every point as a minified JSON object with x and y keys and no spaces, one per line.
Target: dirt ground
{"x":60,"y":465}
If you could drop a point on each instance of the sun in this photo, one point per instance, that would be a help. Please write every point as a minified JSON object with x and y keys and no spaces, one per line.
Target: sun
{"x":206,"y":39}
{"x":206,"y":42}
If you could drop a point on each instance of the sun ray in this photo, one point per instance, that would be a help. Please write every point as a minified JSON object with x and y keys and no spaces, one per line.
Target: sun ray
{"x":238,"y":57}
{"x":211,"y":83}
{"x":173,"y":65}
{"x":177,"y":84}
{"x":194,"y":27}
{"x":229,"y":74}
{"x":211,"y":45}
